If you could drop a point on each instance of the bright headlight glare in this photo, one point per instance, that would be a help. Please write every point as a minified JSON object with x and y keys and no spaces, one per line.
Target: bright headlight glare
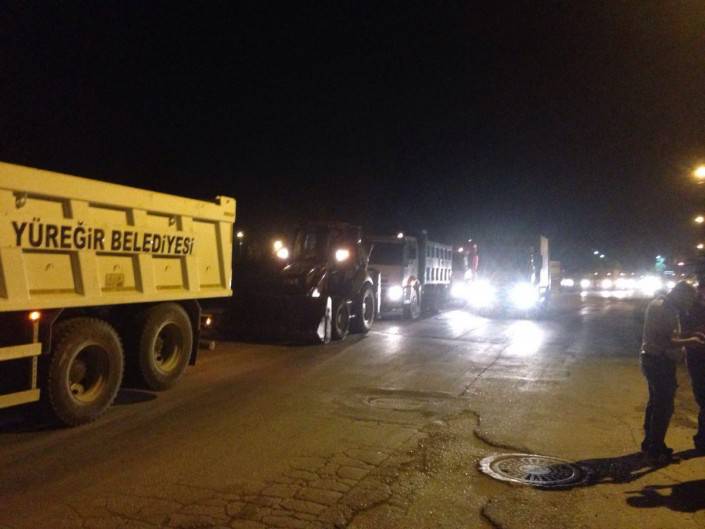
{"x":606,"y":284}
{"x":567,"y":282}
{"x":650,"y":284}
{"x":524,"y":295}
{"x":395,"y":292}
{"x":283,"y":253}
{"x":459,"y":290}
{"x":342,"y":254}
{"x":481,"y":294}
{"x":585,"y":283}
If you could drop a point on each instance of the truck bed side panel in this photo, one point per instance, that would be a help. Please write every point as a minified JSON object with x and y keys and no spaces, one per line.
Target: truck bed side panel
{"x":69,"y":242}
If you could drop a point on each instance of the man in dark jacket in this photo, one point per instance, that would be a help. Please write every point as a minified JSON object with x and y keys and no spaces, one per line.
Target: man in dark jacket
{"x":661,"y":350}
{"x":693,"y":323}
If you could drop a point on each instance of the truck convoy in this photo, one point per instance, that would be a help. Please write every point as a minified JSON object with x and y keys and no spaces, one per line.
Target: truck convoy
{"x":95,"y":277}
{"x":415,"y":273}
{"x":513,"y":276}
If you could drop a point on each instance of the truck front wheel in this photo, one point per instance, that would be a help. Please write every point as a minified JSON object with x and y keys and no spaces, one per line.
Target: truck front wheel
{"x":412,"y":311}
{"x":164,"y":346}
{"x":365,"y":311}
{"x":85,"y":370}
{"x":341,"y":319}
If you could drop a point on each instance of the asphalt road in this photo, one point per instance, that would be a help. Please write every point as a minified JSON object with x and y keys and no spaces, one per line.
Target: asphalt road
{"x":382,"y":431}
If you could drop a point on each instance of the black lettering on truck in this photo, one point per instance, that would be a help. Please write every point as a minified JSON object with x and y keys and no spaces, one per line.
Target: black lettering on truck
{"x":19,"y":230}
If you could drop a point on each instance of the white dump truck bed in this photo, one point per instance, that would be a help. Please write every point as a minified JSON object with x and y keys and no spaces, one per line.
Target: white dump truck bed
{"x":67,"y":241}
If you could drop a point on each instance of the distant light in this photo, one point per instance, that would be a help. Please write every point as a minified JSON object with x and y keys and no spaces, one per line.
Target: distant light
{"x":699,"y":219}
{"x":460,"y":250}
{"x":278,"y":245}
{"x":607,"y":284}
{"x":283,"y":253}
{"x":659,"y":257}
{"x":681,"y":263}
{"x":609,"y":273}
{"x":699,"y":173}
{"x":585,"y":283}
{"x":35,"y":315}
{"x":595,"y":274}
{"x":602,"y":256}
{"x":240,"y":235}
{"x":567,"y":282}
{"x":700,"y":246}
{"x":595,"y":253}
{"x":400,"y":235}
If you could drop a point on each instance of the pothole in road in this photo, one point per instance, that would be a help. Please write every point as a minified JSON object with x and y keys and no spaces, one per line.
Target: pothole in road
{"x":534,"y":470}
{"x":394,"y":403}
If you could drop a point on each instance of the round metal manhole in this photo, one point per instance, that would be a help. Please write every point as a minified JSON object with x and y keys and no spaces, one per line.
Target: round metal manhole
{"x":393,"y":403}
{"x":534,"y":470}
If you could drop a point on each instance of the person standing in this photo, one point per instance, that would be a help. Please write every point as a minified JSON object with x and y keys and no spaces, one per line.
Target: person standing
{"x":694,"y":323}
{"x":661,"y":349}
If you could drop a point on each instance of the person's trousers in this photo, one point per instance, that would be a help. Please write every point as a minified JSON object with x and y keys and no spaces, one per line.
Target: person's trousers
{"x":696,"y":369}
{"x":660,"y":373}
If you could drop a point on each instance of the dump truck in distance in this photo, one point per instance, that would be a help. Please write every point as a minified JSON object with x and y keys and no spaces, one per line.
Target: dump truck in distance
{"x":416,"y":273}
{"x":97,"y":277}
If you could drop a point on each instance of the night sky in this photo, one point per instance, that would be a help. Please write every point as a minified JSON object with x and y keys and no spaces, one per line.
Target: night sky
{"x":580,"y":119}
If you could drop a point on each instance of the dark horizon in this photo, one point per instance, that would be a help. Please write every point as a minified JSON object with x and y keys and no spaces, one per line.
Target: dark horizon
{"x":577,"y":121}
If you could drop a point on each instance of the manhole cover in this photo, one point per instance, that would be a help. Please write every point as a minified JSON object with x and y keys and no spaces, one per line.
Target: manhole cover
{"x":392,"y":403}
{"x":535,"y":470}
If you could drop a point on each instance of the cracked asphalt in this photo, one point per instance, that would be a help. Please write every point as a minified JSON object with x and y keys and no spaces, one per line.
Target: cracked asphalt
{"x":379,"y":432}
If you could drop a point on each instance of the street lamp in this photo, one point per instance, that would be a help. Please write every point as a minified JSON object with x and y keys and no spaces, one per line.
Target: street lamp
{"x":240,"y":235}
{"x":699,"y":219}
{"x":700,"y":246}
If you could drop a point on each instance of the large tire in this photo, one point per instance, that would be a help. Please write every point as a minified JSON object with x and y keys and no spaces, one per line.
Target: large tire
{"x":85,"y":370}
{"x":364,"y":311}
{"x":164,"y":346}
{"x":340,"y":321}
{"x":412,"y":311}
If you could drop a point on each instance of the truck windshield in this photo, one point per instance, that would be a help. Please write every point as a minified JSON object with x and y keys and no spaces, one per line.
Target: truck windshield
{"x":385,"y":253}
{"x":310,"y":244}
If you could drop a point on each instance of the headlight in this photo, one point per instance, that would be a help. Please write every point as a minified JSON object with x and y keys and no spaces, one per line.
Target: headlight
{"x":481,"y":294}
{"x":606,"y":284}
{"x":459,"y":291}
{"x":342,"y":254}
{"x":649,"y":285}
{"x":524,"y":295}
{"x":585,"y":283}
{"x":395,"y":292}
{"x":283,"y":253}
{"x":567,"y":282}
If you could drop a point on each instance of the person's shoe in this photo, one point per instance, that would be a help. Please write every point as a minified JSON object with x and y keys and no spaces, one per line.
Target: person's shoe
{"x":660,"y":456}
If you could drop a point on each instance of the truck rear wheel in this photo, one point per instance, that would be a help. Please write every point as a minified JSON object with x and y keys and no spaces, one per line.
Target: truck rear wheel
{"x":341,"y":319}
{"x":164,"y":346}
{"x":364,"y":312}
{"x":85,"y":370}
